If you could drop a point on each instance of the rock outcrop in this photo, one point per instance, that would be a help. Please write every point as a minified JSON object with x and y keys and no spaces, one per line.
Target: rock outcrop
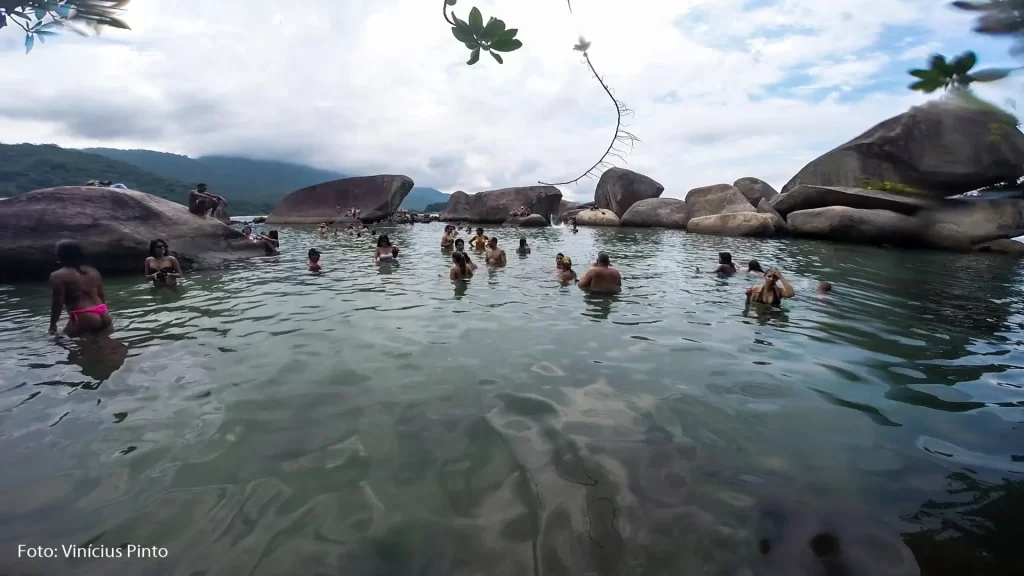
{"x":807,"y":197}
{"x":765,"y":207}
{"x":599,"y":217}
{"x":531,"y":221}
{"x":944,"y":147}
{"x":494,"y":206}
{"x":716,"y":199}
{"x":618,"y":189}
{"x":856,"y":225}
{"x":755,"y":190}
{"x":975,"y":222}
{"x":457,"y":208}
{"x":563,"y":207}
{"x":733,"y":224}
{"x":1004,"y":246}
{"x":657,"y":213}
{"x":376,"y":197}
{"x":114,"y":227}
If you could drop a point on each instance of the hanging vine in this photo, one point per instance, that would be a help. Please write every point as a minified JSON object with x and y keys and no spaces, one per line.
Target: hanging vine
{"x":493,"y":37}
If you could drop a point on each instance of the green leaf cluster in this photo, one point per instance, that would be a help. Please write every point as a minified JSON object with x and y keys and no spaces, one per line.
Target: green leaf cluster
{"x":868,"y":183}
{"x":493,"y":37}
{"x":41,"y":19}
{"x":956,"y":73}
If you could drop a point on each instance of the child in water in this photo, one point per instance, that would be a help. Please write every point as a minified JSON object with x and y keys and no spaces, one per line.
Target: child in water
{"x":314,"y":260}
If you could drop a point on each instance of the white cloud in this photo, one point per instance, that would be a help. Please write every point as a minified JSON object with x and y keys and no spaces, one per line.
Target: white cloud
{"x":383,"y":87}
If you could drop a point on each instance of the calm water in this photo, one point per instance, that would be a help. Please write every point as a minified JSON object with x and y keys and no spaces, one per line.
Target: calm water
{"x":376,"y":420}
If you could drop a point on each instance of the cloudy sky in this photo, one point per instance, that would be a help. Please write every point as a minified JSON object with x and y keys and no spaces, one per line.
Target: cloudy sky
{"x":721,"y":88}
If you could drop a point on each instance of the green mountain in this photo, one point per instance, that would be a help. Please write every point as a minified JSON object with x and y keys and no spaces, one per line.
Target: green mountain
{"x":243,"y":180}
{"x":28,"y":167}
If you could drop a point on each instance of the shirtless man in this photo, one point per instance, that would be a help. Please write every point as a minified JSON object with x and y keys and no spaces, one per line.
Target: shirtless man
{"x":601,"y":277}
{"x":79,"y":288}
{"x":203,"y":203}
{"x":495,"y":255}
{"x":448,"y":239}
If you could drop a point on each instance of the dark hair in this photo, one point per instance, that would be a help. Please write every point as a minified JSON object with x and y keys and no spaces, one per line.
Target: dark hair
{"x":383,"y":241}
{"x":201,"y":185}
{"x":725,"y":258}
{"x":824,"y":286}
{"x":394,"y":251}
{"x":754,"y":266}
{"x":246,"y":227}
{"x":272,"y":234}
{"x":460,"y":260}
{"x":70,"y":254}
{"x":314,"y":254}
{"x":522,"y":241}
{"x":157,"y":242}
{"x":603,"y":258}
{"x":559,"y":254}
{"x":479,"y":230}
{"x":457,"y":240}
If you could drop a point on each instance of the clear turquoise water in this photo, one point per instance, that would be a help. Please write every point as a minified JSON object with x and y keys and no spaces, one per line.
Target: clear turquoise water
{"x":378,"y":420}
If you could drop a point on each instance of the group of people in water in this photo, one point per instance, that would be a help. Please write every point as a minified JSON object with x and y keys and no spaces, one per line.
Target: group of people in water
{"x":79,"y":288}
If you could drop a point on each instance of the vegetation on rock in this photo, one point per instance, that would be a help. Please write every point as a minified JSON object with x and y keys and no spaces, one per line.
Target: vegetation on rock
{"x":40,"y":19}
{"x":894,"y":187}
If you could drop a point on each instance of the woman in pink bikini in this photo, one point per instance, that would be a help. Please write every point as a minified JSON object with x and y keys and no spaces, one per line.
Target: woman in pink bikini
{"x":80,"y":289}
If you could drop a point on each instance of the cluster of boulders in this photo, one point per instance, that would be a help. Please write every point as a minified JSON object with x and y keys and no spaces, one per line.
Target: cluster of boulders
{"x":542,"y":203}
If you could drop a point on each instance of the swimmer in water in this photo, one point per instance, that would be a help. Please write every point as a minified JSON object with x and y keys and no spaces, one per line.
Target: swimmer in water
{"x":524,"y":248}
{"x":558,"y":260}
{"x":247,"y":232}
{"x":479,"y":241}
{"x":322,"y":229}
{"x":79,"y":288}
{"x":725,"y":265}
{"x":754,"y":267}
{"x":601,"y":277}
{"x":314,"y":260}
{"x":565,"y":272}
{"x":269,"y":242}
{"x":448,"y":238}
{"x":768,"y":292}
{"x":824,"y":287}
{"x":384,"y":252}
{"x":461,"y":270}
{"x":460,"y":245}
{"x":495,"y":256}
{"x":162,"y":268}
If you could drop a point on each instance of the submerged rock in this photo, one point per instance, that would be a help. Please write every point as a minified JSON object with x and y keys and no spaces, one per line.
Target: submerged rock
{"x":114,"y":227}
{"x":619,"y":189}
{"x":716,"y":199}
{"x":457,"y":208}
{"x":755,"y":190}
{"x":657,"y":213}
{"x":376,"y":197}
{"x":807,"y":197}
{"x":494,"y":206}
{"x":733,"y":224}
{"x":856,"y":225}
{"x":944,"y":147}
{"x":599,"y":217}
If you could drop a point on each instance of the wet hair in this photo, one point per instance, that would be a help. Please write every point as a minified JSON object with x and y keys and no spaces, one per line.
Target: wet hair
{"x":314,"y":254}
{"x":460,"y":260}
{"x":725,"y":258}
{"x":394,"y":251}
{"x":272,"y":234}
{"x":158,"y":242}
{"x":459,"y":241}
{"x":559,"y":256}
{"x":383,"y":241}
{"x":246,"y":227}
{"x":824,"y":286}
{"x":201,"y":186}
{"x":604,"y":259}
{"x":755,"y":266}
{"x":70,"y":255}
{"x":479,"y":230}
{"x":522,"y":241}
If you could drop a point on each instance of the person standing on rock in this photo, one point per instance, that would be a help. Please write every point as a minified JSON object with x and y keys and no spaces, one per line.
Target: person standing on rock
{"x":769,"y":292}
{"x":162,"y":268}
{"x":495,"y":256}
{"x":79,"y":288}
{"x":602,"y":277}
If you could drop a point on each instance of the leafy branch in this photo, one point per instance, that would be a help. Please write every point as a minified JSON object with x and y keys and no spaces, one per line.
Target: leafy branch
{"x":954,"y":75}
{"x":40,"y":19}
{"x":492,"y":37}
{"x":622,"y":137}
{"x":999,"y":18}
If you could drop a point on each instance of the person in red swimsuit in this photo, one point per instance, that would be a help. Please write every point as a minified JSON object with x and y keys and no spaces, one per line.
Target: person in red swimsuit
{"x":79,"y":288}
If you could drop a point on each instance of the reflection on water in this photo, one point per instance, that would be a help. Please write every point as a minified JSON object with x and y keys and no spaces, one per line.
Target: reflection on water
{"x":380,"y":419}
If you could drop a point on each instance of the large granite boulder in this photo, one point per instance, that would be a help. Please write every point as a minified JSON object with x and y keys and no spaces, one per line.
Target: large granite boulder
{"x":114,"y":227}
{"x":943,"y":147}
{"x":765,"y":207}
{"x":657,"y":213}
{"x":856,"y":225}
{"x":376,"y":197}
{"x":733,"y":224}
{"x":457,"y":208}
{"x":599,"y":217}
{"x":755,"y":189}
{"x":975,"y":222}
{"x":531,"y":221}
{"x":570,"y":215}
{"x":494,"y":206}
{"x":716,"y":199}
{"x":1003,"y":246}
{"x":807,"y":197}
{"x":618,"y":189}
{"x":563,"y":207}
